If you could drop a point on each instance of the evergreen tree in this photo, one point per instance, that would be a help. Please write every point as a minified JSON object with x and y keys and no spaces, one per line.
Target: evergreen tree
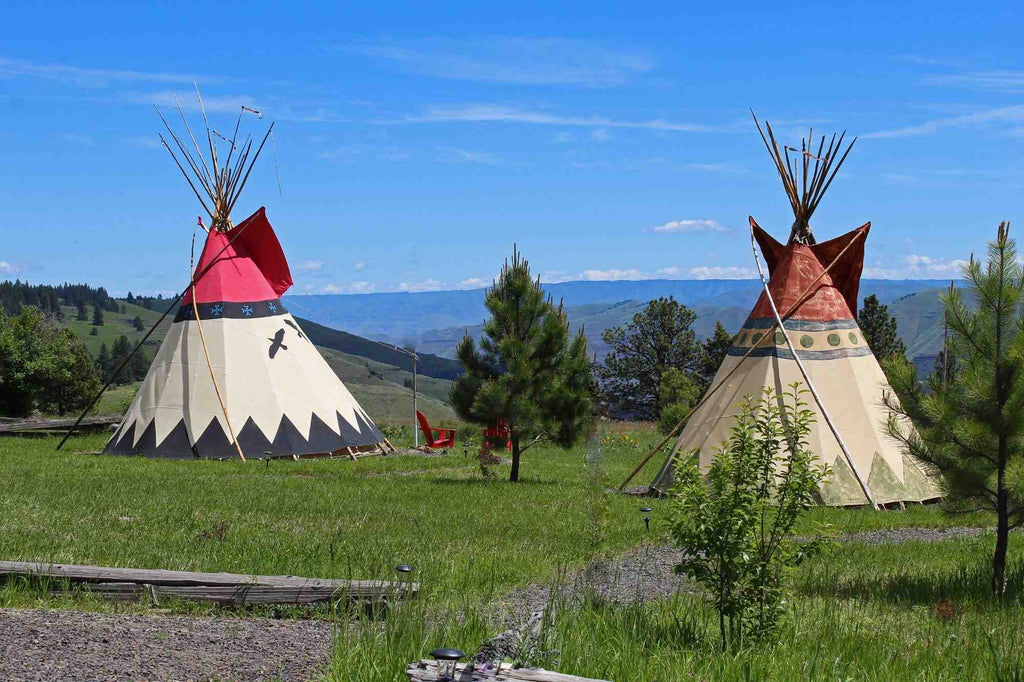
{"x":130,"y":299}
{"x":716,"y":347}
{"x":528,"y":371}
{"x":659,"y":337}
{"x":880,"y":329}
{"x":97,"y":316}
{"x":83,"y":315}
{"x":137,"y":323}
{"x":952,"y":369}
{"x":121,"y":349}
{"x":103,"y":360}
{"x":973,"y":430}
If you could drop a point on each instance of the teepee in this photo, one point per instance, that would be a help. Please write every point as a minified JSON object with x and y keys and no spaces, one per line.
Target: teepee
{"x":813,"y":290}
{"x":235,"y":376}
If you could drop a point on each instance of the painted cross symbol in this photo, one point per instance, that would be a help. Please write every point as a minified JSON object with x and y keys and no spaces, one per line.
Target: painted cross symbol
{"x":247,"y":310}
{"x":275,"y":343}
{"x":216,"y":310}
{"x":272,"y":307}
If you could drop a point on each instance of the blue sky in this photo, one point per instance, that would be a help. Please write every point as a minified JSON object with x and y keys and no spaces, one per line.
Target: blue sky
{"x":415,"y":143}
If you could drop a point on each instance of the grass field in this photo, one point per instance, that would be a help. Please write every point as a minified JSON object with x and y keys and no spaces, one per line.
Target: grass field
{"x":909,"y":611}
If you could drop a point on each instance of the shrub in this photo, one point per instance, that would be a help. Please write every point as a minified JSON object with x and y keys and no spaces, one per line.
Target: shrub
{"x":735,"y":525}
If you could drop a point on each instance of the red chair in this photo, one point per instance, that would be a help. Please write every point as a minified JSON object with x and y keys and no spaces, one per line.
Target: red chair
{"x":445,"y":437}
{"x":497,"y":436}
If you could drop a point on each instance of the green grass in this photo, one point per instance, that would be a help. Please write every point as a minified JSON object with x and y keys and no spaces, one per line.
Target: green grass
{"x":909,"y":611}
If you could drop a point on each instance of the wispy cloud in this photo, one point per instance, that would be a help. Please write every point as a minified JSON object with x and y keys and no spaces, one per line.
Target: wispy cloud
{"x":311,"y":265}
{"x":611,"y":275}
{"x":721,"y":272}
{"x":1013,"y":114}
{"x":473,"y":283}
{"x":9,"y":268}
{"x":690,"y":225}
{"x":78,"y":139}
{"x":360,"y":266}
{"x":917,"y":266}
{"x":358,"y":287}
{"x":519,"y":61}
{"x":1001,"y":80}
{"x":600,"y":135}
{"x":497,"y":113}
{"x":91,"y":77}
{"x":469,"y":156}
{"x":426,"y":285}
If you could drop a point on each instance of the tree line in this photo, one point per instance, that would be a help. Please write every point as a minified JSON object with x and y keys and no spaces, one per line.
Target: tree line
{"x":49,"y":298}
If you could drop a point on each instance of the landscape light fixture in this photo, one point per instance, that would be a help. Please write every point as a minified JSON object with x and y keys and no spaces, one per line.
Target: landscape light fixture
{"x":446,"y":660}
{"x":403,"y":570}
{"x":646,"y":511}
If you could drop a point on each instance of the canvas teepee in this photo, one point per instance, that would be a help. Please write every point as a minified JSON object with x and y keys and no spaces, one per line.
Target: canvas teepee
{"x":235,"y":376}
{"x":814,"y":289}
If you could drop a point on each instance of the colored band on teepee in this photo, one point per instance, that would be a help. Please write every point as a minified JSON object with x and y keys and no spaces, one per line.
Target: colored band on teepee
{"x":231,"y":310}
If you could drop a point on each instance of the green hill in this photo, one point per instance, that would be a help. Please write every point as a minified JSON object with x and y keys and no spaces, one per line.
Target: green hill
{"x":116,"y":324}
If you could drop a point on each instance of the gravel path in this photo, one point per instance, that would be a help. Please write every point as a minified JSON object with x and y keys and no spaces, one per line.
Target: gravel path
{"x":71,"y":645}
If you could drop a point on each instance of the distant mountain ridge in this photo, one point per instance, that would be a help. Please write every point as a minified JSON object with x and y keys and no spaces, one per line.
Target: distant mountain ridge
{"x":436,"y":320}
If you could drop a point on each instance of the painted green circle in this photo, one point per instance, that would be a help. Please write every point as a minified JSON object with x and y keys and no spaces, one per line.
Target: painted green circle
{"x":834,"y":340}
{"x":853,"y":339}
{"x":806,"y":341}
{"x":780,"y":338}
{"x":755,"y":338}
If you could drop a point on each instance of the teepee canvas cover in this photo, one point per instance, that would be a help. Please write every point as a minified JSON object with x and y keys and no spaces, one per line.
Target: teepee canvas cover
{"x":846,"y":374}
{"x":281,"y":396}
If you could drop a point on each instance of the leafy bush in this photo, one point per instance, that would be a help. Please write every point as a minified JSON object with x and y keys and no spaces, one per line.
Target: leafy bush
{"x":735,"y":526}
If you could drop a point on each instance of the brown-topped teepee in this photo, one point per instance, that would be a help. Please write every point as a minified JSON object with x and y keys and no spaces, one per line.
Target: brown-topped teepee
{"x":814,"y":287}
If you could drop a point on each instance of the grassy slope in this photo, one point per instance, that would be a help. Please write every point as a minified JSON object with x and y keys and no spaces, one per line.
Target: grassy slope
{"x":116,"y":324}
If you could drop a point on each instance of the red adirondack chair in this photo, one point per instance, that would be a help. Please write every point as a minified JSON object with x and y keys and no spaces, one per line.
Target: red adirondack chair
{"x":497,"y":436}
{"x":445,"y":437}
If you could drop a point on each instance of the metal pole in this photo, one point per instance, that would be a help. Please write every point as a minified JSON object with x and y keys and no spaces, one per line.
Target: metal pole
{"x":415,"y":431}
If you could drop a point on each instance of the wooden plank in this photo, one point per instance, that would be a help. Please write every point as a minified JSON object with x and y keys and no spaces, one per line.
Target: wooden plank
{"x":355,"y":589}
{"x":55,"y":424}
{"x":246,"y":594}
{"x":429,"y":671}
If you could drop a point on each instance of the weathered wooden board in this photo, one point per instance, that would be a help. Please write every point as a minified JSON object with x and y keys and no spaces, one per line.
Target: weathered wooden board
{"x":217,"y":587}
{"x":429,"y":671}
{"x":55,"y":424}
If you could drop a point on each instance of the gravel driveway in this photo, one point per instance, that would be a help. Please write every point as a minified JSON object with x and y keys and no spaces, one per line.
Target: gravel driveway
{"x":72,"y":645}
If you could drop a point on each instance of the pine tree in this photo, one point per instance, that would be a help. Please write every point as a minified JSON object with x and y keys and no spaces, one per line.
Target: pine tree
{"x":103,"y":360}
{"x":973,"y":430}
{"x":659,"y":337}
{"x":121,"y":349}
{"x":880,"y":329}
{"x":83,"y":315}
{"x":97,"y":316}
{"x":528,"y":371}
{"x":716,"y":347}
{"x":137,"y":323}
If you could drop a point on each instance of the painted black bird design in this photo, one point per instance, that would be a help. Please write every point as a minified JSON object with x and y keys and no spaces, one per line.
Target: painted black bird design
{"x":296,"y":328}
{"x":276,"y":343}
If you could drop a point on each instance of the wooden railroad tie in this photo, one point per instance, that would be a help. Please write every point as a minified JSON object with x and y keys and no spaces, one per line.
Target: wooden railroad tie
{"x":219,"y":588}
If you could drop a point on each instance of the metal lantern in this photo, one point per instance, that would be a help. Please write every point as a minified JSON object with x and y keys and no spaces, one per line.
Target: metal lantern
{"x":446,"y":660}
{"x":646,"y":511}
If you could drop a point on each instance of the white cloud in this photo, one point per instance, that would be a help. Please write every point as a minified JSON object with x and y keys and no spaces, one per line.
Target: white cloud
{"x":89,"y":77}
{"x":469,"y":156}
{"x":311,"y":265}
{"x":1002,"y":80}
{"x":520,"y":61}
{"x":77,"y":138}
{"x":918,"y":265}
{"x":669,"y":272}
{"x":600,"y":135}
{"x":691,"y":225}
{"x":554,"y":276}
{"x":496,"y":113}
{"x":1010,"y":115}
{"x":610,"y":275}
{"x":721,"y":272}
{"x":360,"y":266}
{"x":473,"y":283}
{"x":9,"y":268}
{"x":359,"y":287}
{"x":426,"y":285}
{"x":564,"y":137}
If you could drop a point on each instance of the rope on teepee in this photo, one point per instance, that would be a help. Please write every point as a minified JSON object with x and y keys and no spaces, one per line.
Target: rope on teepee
{"x":206,"y":351}
{"x":807,"y":378}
